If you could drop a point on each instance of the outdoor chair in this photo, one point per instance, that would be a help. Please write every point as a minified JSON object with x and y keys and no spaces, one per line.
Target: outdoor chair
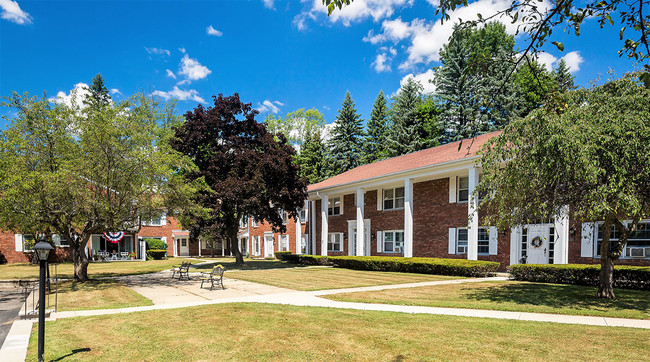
{"x":181,"y":270}
{"x":215,"y":277}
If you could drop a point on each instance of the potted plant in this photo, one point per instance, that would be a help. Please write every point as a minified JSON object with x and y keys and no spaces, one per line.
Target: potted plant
{"x":132,"y":255}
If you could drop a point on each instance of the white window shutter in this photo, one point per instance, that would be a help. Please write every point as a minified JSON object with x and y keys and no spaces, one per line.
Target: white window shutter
{"x":494,"y":240}
{"x":56,"y":239}
{"x":380,"y":241}
{"x":452,"y":241}
{"x":380,"y":199}
{"x":341,"y":241}
{"x":587,"y":240}
{"x":452,"y":189}
{"x":18,"y":238}
{"x":163,"y":219}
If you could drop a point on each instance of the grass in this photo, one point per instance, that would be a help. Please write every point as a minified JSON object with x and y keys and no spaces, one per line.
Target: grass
{"x":277,"y":332}
{"x":95,"y":270}
{"x":319,"y":278}
{"x":97,"y":294}
{"x":249,"y":264}
{"x":514,"y":296}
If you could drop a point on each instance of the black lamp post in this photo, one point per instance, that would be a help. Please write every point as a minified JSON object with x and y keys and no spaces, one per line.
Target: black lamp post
{"x":42,"y":249}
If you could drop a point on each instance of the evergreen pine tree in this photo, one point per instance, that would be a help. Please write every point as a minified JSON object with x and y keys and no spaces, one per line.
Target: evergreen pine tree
{"x":407,"y":133}
{"x":374,"y":144}
{"x":312,"y":158}
{"x":346,"y":143}
{"x":565,"y":80}
{"x":534,"y":85}
{"x":98,"y":96}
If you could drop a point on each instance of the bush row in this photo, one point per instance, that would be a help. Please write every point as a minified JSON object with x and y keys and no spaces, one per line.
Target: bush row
{"x":157,"y":254}
{"x":155,"y":244}
{"x":630,"y":277}
{"x":456,"y":267}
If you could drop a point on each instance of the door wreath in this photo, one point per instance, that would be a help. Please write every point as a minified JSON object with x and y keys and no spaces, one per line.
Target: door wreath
{"x":536,"y":242}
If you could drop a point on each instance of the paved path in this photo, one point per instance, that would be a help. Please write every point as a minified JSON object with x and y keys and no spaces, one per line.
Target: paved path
{"x":11,"y":299}
{"x":14,"y":334}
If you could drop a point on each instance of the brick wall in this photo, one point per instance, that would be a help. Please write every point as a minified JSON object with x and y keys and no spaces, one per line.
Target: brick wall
{"x":264,"y":227}
{"x":162,"y":231}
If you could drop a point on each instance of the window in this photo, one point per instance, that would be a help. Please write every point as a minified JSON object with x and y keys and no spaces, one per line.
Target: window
{"x":461,"y":241}
{"x":463,"y":189}
{"x":483,"y":241}
{"x":613,"y":238}
{"x":303,"y":243}
{"x":60,"y":240}
{"x":394,"y":241}
{"x":524,"y":245}
{"x":284,"y":242}
{"x":334,"y":206}
{"x":28,"y":242}
{"x":156,"y":221}
{"x":283,"y":216}
{"x":394,"y":198}
{"x":256,"y":245}
{"x":243,"y":223}
{"x":638,"y":244}
{"x":334,"y":241}
{"x":551,"y":245}
{"x":254,"y":223}
{"x":302,"y":213}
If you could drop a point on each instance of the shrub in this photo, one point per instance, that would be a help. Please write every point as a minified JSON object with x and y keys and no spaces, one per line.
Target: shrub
{"x":157,"y":254}
{"x":630,"y":277}
{"x":155,"y":244}
{"x":458,"y":267}
{"x":283,"y":255}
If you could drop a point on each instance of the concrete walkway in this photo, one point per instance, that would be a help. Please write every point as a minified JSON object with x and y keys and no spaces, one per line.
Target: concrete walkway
{"x":166,"y":293}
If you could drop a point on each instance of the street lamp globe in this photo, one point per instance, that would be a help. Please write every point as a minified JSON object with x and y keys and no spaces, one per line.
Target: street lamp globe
{"x":43,"y":249}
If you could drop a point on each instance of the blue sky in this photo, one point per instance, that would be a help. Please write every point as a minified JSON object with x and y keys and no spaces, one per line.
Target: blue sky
{"x":278,"y":55}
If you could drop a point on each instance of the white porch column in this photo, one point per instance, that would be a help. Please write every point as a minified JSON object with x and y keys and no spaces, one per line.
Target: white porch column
{"x":174,"y":245}
{"x":408,"y":218}
{"x":199,"y":247}
{"x":561,"y":251}
{"x":298,"y":234}
{"x":472,"y":214}
{"x":324,"y":227}
{"x":223,"y":249}
{"x":312,"y":226}
{"x":361,"y":230}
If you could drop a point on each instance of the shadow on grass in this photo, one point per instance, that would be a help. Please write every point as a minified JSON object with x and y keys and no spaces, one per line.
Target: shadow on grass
{"x":74,"y":351}
{"x":248,"y":265}
{"x":88,"y":285}
{"x":561,"y":296}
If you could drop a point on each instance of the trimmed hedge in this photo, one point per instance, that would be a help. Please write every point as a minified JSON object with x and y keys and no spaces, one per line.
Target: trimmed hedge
{"x":629,"y":277}
{"x":155,"y":244}
{"x":457,"y":267}
{"x":157,"y":254}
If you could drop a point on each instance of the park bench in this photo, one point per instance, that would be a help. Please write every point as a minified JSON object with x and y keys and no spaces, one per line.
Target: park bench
{"x":215,"y":277}
{"x":182,"y":270}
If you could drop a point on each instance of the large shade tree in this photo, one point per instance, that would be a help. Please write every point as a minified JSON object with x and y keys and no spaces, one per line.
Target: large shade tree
{"x":593,"y":156}
{"x":82,"y":169}
{"x":248,"y":172}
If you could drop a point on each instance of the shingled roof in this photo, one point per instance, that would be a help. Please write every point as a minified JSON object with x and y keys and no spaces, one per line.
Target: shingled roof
{"x":429,"y":157}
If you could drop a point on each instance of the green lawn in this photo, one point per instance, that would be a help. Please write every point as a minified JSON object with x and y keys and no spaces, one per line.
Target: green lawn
{"x":514,"y":296}
{"x":95,"y":270}
{"x":280,"y":333}
{"x":97,"y":294}
{"x":319,"y":278}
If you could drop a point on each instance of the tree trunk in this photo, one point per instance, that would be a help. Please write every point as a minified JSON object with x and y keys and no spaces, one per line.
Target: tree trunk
{"x":606,"y":286}
{"x":234,"y":247}
{"x":80,"y":262}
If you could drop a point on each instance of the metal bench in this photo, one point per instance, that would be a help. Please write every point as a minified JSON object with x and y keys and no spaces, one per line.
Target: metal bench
{"x":182,"y":270}
{"x":215,"y":277}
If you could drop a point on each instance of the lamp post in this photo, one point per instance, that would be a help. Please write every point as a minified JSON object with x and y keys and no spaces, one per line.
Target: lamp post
{"x":42,"y":249}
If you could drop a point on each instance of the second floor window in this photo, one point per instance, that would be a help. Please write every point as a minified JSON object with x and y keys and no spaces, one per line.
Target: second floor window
{"x":463,"y":189}
{"x":394,"y":198}
{"x":334,"y":206}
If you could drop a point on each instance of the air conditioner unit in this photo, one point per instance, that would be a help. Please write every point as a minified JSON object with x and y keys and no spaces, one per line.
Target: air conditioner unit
{"x":636,"y":252}
{"x":398,"y":249}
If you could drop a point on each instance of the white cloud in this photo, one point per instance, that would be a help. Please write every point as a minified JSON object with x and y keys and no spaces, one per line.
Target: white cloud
{"x":382,"y":63}
{"x":170,"y":74}
{"x":115,"y":91}
{"x":192,"y":69}
{"x":268,"y":106}
{"x":180,"y":94}
{"x":326,"y":133}
{"x":546,"y":59}
{"x":393,"y":30}
{"x":278,"y":103}
{"x":212,"y":31}
{"x":182,"y":50}
{"x":268,"y":4}
{"x":76,"y":96}
{"x":158,"y":51}
{"x":11,"y":11}
{"x":356,"y":11}
{"x":573,"y":61}
{"x":423,"y":79}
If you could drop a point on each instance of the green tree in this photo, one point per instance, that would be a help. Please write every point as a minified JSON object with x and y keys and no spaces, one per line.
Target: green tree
{"x":563,"y":77}
{"x":98,"y":93}
{"x":298,"y":125}
{"x":592,"y":157}
{"x":535,"y":85}
{"x":77,"y":171}
{"x":345,"y":144}
{"x":374,"y":143}
{"x":311,"y":159}
{"x":470,"y":83}
{"x":428,"y":113}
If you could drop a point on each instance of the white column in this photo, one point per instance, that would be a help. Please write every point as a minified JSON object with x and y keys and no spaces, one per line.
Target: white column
{"x":324,"y":227}
{"x":312,"y":226}
{"x":199,"y":247}
{"x":408,"y":218}
{"x":223,"y":249}
{"x":174,"y":245}
{"x":472,"y":214}
{"x":360,"y":226}
{"x":562,"y":236}
{"x":298,"y":234}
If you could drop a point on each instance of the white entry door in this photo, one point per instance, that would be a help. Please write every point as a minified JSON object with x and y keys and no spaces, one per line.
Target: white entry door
{"x":538,"y":243}
{"x":184,"y":249}
{"x":352,"y":241}
{"x":268,"y":246}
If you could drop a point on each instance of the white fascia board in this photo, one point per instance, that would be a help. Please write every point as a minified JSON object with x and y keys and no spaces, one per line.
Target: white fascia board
{"x":424,"y":173}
